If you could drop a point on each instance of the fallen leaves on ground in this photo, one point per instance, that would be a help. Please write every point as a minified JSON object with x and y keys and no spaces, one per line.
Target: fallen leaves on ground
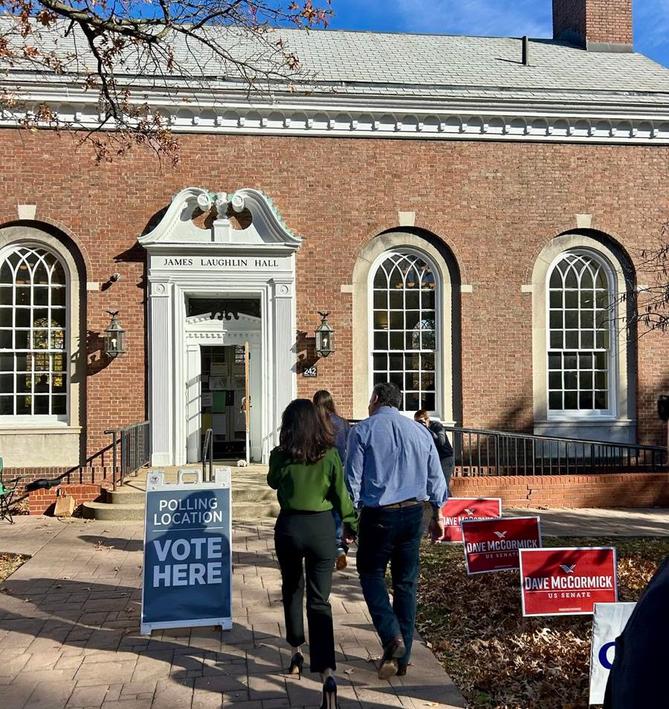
{"x":9,"y":563}
{"x":497,"y":658}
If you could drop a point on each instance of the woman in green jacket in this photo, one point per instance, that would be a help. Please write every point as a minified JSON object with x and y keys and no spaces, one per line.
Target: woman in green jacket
{"x":307,"y":474}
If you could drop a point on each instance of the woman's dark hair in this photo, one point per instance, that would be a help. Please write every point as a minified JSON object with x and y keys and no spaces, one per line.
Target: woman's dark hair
{"x":303,"y":437}
{"x":323,"y":400}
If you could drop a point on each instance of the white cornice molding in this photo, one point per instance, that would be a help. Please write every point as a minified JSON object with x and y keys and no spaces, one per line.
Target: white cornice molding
{"x":543,"y":118}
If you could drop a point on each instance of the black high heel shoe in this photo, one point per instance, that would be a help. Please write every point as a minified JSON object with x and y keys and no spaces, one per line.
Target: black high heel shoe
{"x":330,"y":694}
{"x":296,"y":664}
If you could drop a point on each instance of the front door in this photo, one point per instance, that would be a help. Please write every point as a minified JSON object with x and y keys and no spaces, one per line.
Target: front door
{"x":223,"y":399}
{"x":224,"y":382}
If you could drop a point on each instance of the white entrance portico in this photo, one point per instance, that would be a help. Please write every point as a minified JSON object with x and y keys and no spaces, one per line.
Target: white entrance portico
{"x":255,"y":261}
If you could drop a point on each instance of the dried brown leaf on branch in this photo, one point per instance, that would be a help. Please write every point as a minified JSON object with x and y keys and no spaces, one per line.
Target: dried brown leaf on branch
{"x":120,"y":52}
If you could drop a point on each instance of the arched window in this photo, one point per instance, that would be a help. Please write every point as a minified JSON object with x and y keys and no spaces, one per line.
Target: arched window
{"x":405,"y":328}
{"x":33,"y":334}
{"x":581,"y":296}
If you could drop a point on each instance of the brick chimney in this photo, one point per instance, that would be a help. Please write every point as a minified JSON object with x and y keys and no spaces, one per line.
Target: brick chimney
{"x":595,"y":25}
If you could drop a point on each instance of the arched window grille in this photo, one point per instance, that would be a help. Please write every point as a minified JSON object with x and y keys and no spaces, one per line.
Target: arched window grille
{"x":33,"y":333}
{"x":405,"y":291}
{"x":580,"y":336}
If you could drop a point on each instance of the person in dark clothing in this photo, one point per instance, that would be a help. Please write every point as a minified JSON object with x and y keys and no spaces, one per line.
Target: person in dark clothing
{"x":637,"y":679}
{"x":340,"y":428}
{"x":444,"y":448}
{"x":306,"y":471}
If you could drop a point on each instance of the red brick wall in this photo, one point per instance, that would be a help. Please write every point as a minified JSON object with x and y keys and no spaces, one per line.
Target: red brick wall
{"x":624,"y":490}
{"x":496,"y":205}
{"x":598,"y":21}
{"x":42,"y":502}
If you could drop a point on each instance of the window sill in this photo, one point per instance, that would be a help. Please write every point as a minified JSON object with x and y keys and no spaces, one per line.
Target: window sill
{"x":57,"y":427}
{"x":591,"y":420}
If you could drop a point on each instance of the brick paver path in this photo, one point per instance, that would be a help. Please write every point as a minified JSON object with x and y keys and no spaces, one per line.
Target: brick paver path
{"x":69,"y":635}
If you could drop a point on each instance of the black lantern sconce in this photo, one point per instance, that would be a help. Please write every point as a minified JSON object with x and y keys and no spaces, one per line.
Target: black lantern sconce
{"x":114,"y":337}
{"x":324,"y":337}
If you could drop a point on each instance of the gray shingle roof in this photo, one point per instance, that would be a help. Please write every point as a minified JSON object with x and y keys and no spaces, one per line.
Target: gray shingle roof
{"x":477,"y":62}
{"x":427,"y":66}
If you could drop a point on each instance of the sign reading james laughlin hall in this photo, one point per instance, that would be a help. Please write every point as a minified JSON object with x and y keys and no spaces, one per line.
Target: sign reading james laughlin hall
{"x":187,"y":561}
{"x":567,"y":581}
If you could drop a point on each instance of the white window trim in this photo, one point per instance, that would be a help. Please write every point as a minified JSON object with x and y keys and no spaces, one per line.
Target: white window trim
{"x":438,"y":329}
{"x":611,"y":413}
{"x":46,"y":420}
{"x":398,"y":239}
{"x":619,"y":426}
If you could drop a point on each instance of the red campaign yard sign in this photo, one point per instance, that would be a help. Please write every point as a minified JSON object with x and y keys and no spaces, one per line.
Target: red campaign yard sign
{"x":567,"y":581}
{"x":493,"y":544}
{"x":457,"y":509}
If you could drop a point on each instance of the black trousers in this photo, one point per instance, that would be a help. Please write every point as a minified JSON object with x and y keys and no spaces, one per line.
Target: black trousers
{"x":305,"y":542}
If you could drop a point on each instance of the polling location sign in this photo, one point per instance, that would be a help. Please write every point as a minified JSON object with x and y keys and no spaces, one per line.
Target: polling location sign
{"x":567,"y":581}
{"x":493,"y":544}
{"x":457,"y":509}
{"x":608,"y":623}
{"x":187,"y":579}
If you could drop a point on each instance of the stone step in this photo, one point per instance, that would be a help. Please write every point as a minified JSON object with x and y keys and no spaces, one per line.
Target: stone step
{"x":249,"y":511}
{"x":125,"y":495}
{"x":135,"y":495}
{"x":252,"y":498}
{"x":105,"y":512}
{"x":117,"y":512}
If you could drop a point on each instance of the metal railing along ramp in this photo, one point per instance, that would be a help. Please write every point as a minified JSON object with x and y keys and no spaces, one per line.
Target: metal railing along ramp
{"x":483,"y":452}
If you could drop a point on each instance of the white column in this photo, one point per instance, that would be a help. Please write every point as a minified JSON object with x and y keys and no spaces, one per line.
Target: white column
{"x":283,"y":337}
{"x":193,"y":402}
{"x":255,"y":386}
{"x":161,"y":366}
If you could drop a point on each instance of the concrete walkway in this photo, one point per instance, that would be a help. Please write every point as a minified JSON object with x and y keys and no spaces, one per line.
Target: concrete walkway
{"x":69,"y":636}
{"x":600,"y":523}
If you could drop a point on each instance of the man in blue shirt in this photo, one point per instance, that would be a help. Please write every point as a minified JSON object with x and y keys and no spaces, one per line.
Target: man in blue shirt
{"x":392,"y":468}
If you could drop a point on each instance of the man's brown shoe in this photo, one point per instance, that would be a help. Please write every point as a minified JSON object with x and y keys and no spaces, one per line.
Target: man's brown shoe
{"x":388,"y":669}
{"x":389,"y":666}
{"x":342,"y":562}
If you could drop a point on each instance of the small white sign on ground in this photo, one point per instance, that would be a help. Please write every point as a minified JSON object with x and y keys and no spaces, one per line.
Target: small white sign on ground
{"x":608,"y":623}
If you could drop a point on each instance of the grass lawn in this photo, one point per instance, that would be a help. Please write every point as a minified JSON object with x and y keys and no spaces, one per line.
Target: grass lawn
{"x":497,"y":658}
{"x":9,"y":563}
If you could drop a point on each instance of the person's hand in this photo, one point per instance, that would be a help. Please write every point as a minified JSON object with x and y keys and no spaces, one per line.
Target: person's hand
{"x":436,"y":529}
{"x":349,"y":533}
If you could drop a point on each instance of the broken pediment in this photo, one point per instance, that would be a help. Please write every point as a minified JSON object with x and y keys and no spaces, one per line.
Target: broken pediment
{"x":245,"y":218}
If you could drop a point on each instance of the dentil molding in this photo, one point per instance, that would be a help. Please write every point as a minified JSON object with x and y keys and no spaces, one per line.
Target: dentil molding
{"x":591,"y":124}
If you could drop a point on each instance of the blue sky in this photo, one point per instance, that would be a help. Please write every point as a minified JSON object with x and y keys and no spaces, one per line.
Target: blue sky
{"x":512,"y":18}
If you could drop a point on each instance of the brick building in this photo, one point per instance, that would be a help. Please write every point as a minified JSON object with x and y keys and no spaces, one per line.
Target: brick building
{"x":469,"y":211}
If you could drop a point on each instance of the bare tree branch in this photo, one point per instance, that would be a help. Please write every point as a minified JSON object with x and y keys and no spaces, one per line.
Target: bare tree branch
{"x":114,"y":47}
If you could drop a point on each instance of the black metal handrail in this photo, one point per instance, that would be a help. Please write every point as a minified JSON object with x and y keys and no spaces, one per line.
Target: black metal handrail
{"x":483,"y":452}
{"x":208,"y":456}
{"x":131,"y":449}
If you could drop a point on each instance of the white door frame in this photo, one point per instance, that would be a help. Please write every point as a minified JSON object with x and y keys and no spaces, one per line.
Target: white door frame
{"x":184,"y":260}
{"x":202,"y":331}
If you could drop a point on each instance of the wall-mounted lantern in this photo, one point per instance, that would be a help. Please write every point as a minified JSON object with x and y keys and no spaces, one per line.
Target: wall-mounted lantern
{"x":114,"y":337}
{"x":324,"y":337}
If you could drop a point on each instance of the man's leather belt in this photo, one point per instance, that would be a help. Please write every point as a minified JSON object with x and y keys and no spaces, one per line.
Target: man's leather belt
{"x":405,"y":503}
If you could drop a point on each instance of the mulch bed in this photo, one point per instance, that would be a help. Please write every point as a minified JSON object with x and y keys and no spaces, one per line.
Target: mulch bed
{"x":497,"y":658}
{"x":9,"y":563}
